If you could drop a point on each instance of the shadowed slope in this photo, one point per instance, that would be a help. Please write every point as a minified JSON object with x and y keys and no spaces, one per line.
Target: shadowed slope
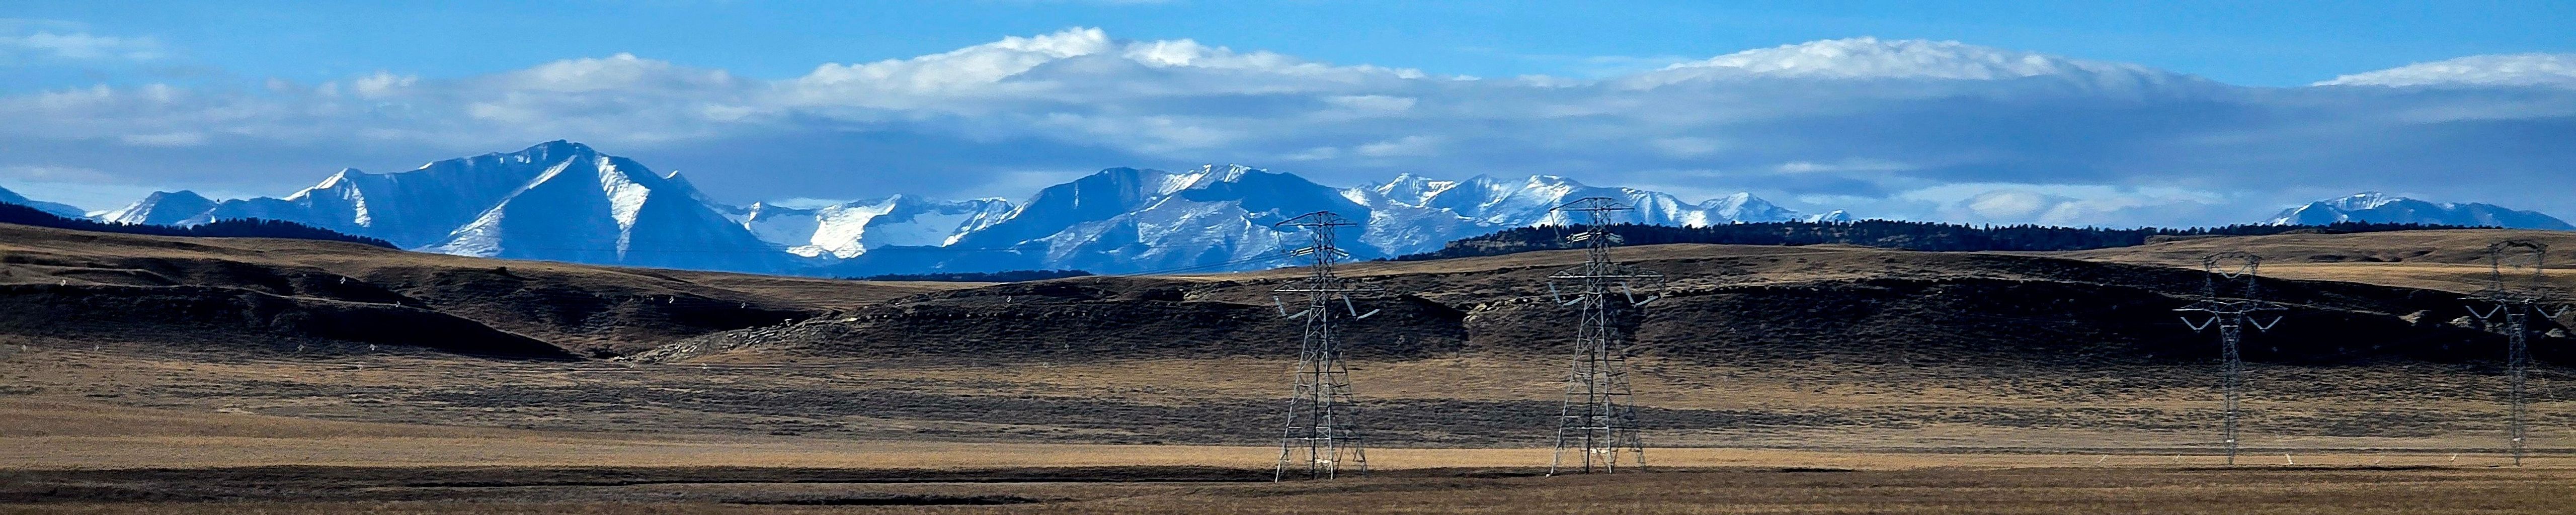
{"x":265,"y":289}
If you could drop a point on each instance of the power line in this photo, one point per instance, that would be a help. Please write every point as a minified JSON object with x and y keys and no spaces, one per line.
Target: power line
{"x":2516,"y":299}
{"x":2230,"y":315}
{"x":1598,"y":420}
{"x":1322,"y":430}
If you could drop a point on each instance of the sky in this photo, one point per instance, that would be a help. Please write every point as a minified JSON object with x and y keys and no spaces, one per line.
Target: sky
{"x":2172,"y":112}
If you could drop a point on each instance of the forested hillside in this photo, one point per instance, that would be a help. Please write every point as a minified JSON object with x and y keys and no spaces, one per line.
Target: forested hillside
{"x":238,"y":228}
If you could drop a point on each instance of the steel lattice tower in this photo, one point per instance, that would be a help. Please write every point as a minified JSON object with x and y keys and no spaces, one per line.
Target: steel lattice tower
{"x":1322,"y":431}
{"x":2516,"y":300}
{"x":1598,"y":421}
{"x":2231,"y":315}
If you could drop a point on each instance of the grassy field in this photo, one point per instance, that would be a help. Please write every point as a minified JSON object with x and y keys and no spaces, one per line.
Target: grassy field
{"x":86,"y":455}
{"x":1861,"y":408}
{"x":1747,"y":491}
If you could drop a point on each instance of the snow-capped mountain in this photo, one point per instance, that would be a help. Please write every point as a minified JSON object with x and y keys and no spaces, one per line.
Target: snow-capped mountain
{"x":595,"y":208}
{"x":557,"y":200}
{"x":12,"y":197}
{"x":1127,"y":220}
{"x":161,"y":208}
{"x":1522,"y":202}
{"x":2384,"y":208}
{"x":849,"y":229}
{"x":1210,"y":215}
{"x":411,"y":209}
{"x":565,"y":201}
{"x":1219,"y":217}
{"x":1417,"y":214}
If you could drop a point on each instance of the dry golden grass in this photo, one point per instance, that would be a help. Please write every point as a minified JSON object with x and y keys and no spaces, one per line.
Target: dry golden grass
{"x":2453,"y":260}
{"x":1929,"y":491}
{"x":356,"y":260}
{"x":1917,"y":409}
{"x":58,"y":453}
{"x":57,"y":434}
{"x":2463,"y":278}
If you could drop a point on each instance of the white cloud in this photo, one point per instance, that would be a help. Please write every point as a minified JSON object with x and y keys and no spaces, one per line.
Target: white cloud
{"x":1368,"y":105}
{"x":2477,"y":70}
{"x":1687,"y":146}
{"x":2011,"y":204}
{"x":2059,"y":204}
{"x":167,"y":139}
{"x":73,"y":46}
{"x":956,"y":71}
{"x":1855,"y":164}
{"x":62,"y":174}
{"x":1871,"y":58}
{"x":382,"y":84}
{"x":1314,"y":154}
{"x":1404,"y":146}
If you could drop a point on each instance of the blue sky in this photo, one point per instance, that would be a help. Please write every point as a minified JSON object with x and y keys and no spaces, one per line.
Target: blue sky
{"x":2264,"y":43}
{"x":2065,"y":112}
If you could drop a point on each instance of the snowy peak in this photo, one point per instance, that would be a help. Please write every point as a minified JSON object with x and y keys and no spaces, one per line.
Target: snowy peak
{"x":556,"y":200}
{"x":412,"y":209}
{"x":1408,"y":189}
{"x":1100,"y":196}
{"x":591,"y":207}
{"x":2548,"y":70}
{"x":341,"y":180}
{"x":2378,"y":207}
{"x":2364,"y":200}
{"x":850,"y":229}
{"x":1743,"y":206}
{"x":1261,"y":193}
{"x":565,"y":201}
{"x":161,"y":208}
{"x":1415,"y":213}
{"x":1076,"y":51}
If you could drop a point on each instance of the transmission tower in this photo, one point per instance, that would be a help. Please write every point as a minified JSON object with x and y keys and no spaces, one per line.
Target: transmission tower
{"x":2515,"y":299}
{"x":1598,"y":421}
{"x":2230,"y":300}
{"x":1322,"y":431}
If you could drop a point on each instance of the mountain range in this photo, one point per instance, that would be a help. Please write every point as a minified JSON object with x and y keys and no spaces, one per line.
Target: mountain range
{"x":565,"y":201}
{"x":12,"y":197}
{"x":2384,"y":208}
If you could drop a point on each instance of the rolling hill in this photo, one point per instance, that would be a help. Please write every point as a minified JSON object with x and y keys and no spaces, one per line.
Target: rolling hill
{"x":1822,"y":346}
{"x":273,"y":292}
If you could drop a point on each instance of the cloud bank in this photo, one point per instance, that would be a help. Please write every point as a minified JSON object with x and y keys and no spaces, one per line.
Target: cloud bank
{"x":1900,"y":129}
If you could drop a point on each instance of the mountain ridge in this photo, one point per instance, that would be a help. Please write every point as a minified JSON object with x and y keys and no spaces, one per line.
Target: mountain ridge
{"x":565,"y":201}
{"x":68,"y":210}
{"x":2376,"y":207}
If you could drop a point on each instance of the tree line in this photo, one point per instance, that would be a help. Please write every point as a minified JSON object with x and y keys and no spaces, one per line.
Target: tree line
{"x":1008,"y":276}
{"x":231,"y":228}
{"x":1894,"y":234}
